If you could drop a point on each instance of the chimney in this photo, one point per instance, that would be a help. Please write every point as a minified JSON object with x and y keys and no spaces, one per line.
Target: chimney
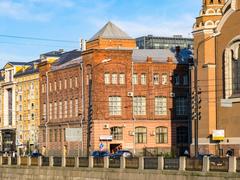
{"x":83,"y":45}
{"x":149,"y":59}
{"x":169,"y":60}
{"x":178,"y":49}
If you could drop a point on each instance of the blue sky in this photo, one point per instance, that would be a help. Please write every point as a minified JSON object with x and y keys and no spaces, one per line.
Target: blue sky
{"x":72,"y":19}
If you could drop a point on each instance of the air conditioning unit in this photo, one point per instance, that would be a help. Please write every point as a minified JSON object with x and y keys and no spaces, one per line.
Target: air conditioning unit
{"x":130,"y":94}
{"x":172,"y":94}
{"x":106,"y":126}
{"x":131,"y":133}
{"x":152,"y":133}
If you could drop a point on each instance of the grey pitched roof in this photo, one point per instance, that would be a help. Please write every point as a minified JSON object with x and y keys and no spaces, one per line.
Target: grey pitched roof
{"x":17,"y":63}
{"x":67,"y":56}
{"x":161,"y":55}
{"x":111,"y":31}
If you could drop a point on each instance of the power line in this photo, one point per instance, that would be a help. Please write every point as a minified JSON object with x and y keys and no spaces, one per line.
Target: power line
{"x":37,"y":39}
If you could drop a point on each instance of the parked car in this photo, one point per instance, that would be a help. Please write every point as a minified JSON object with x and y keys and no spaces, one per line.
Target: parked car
{"x":36,"y":154}
{"x":120,"y":153}
{"x":100,"y":154}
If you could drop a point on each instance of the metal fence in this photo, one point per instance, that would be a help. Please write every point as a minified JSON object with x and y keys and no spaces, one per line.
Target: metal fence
{"x":45,"y":161}
{"x":219,"y":164}
{"x":83,"y":161}
{"x":70,"y":161}
{"x":238,"y":164}
{"x":98,"y":162}
{"x":132,"y":163}
{"x":57,"y":161}
{"x":5,"y":160}
{"x":194,"y":164}
{"x":171,"y":163}
{"x":34,"y":161}
{"x":24,"y":161}
{"x":13,"y":160}
{"x":114,"y":163}
{"x":150,"y":163}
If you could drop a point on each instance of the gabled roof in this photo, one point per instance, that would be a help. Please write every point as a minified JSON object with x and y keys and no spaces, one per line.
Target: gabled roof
{"x":111,"y":31}
{"x":67,"y":56}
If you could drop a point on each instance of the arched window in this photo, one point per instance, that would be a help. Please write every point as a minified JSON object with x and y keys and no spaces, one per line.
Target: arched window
{"x":161,"y":135}
{"x":236,"y":72}
{"x":140,"y":135}
{"x":117,"y":133}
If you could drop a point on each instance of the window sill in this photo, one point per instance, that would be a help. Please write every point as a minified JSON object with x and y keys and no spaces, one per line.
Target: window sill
{"x":229,"y":101}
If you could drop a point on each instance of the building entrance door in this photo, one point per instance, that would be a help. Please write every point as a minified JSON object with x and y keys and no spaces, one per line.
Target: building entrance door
{"x":115,"y":147}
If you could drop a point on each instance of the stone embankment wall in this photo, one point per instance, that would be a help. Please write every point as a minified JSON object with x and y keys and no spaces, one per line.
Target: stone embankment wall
{"x":59,"y":173}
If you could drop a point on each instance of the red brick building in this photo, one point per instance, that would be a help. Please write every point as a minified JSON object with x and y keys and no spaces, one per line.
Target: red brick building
{"x":140,"y":98}
{"x":60,"y":103}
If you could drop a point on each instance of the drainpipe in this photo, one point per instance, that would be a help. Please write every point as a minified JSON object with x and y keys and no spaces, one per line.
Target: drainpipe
{"x":83,"y":106}
{"x":47,"y":114}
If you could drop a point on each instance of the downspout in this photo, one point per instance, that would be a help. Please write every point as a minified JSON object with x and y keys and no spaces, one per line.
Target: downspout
{"x":83,"y":106}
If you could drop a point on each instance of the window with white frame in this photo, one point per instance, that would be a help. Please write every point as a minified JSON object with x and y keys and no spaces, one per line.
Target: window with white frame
{"x":76,"y":107}
{"x":185,"y":79}
{"x":70,"y":83}
{"x":115,"y":106}
{"x":55,"y":85}
{"x":107,"y":78}
{"x":44,"y":110}
{"x":161,"y":135}
{"x":55,"y":110}
{"x":156,"y":79}
{"x":65,"y":109}
{"x":164,"y":79}
{"x":114,"y":78}
{"x":160,"y":105}
{"x":50,"y":110}
{"x":181,"y":106}
{"x":122,"y":78}
{"x":76,"y":82}
{"x":65,"y":83}
{"x":135,"y":79}
{"x":143,"y":79}
{"x":60,"y":85}
{"x":141,"y":135}
{"x":139,"y":105}
{"x":60,"y":110}
{"x":50,"y":87}
{"x":70,"y":108}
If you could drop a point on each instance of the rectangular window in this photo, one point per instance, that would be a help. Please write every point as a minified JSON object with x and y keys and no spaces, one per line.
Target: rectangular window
{"x":50,"y":87}
{"x":107,"y":78}
{"x":60,"y":110}
{"x":117,"y":133}
{"x":156,"y":79}
{"x":139,"y":105}
{"x":114,"y":78}
{"x":76,"y":82}
{"x":185,"y":80}
{"x":65,"y":83}
{"x":20,"y":98}
{"x":181,"y":106}
{"x":60,"y":85}
{"x":76,"y":107}
{"x":55,"y":110}
{"x":164,"y":79}
{"x":135,"y":79}
{"x":60,"y":135}
{"x":44,"y":111}
{"x":121,"y":78}
{"x":160,"y":106}
{"x":70,"y":108}
{"x":115,"y":106}
{"x":55,"y":134}
{"x":50,"y":110}
{"x":176,"y":79}
{"x":143,"y":79}
{"x":43,"y":88}
{"x":70,"y":83}
{"x":50,"y":135}
{"x":44,"y":135}
{"x":141,"y":135}
{"x":65,"y":109}
{"x":55,"y":86}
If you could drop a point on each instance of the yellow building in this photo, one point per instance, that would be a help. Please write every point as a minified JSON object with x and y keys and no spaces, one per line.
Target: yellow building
{"x":19,"y":104}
